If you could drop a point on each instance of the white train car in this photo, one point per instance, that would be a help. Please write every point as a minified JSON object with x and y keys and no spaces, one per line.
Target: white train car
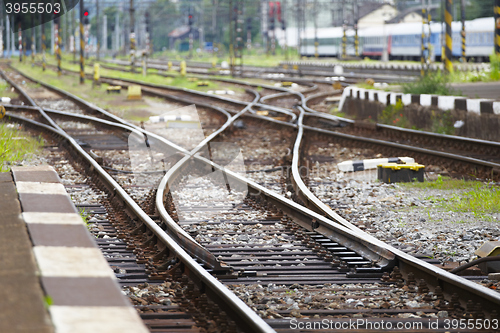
{"x":329,"y":42}
{"x":479,"y":38}
{"x":403,"y":40}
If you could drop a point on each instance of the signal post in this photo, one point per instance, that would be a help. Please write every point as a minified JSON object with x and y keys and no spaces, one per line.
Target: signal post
{"x":497,"y":27}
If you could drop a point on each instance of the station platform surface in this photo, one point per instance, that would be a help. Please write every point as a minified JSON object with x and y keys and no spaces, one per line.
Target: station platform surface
{"x":53,"y":277}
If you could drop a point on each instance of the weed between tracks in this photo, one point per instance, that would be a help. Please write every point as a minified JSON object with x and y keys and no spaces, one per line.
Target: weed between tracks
{"x":16,"y":145}
{"x":6,"y":90}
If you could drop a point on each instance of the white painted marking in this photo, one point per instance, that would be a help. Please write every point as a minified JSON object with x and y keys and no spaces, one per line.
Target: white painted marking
{"x":406,"y":99}
{"x":393,"y":98}
{"x":496,"y":107}
{"x":474,"y":105}
{"x":373,"y":163}
{"x":345,"y":93}
{"x":371,"y":95}
{"x":347,"y":166}
{"x":40,"y":188}
{"x":362,"y":93}
{"x":382,"y":96}
{"x":96,"y":319}
{"x":52,"y":218}
{"x":71,"y":262}
{"x":425,"y":100}
{"x":446,"y":102}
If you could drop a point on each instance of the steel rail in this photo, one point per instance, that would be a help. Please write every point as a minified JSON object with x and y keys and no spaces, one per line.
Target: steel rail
{"x":447,"y":281}
{"x":173,"y":172}
{"x":174,"y":231}
{"x":108,"y":79}
{"x":396,"y":129}
{"x":438,"y":277}
{"x":225,"y":99}
{"x":195,"y":249}
{"x":261,"y":71}
{"x":265,"y":106}
{"x":244,"y":317}
{"x":469,"y":160}
{"x":450,"y":283}
{"x":29,"y":100}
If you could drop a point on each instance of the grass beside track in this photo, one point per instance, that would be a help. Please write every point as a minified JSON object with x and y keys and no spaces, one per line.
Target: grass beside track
{"x":132,"y":110}
{"x":16,"y":145}
{"x":464,"y":196}
{"x":176,"y":81}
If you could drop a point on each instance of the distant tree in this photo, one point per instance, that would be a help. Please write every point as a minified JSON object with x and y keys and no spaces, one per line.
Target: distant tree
{"x":165,"y":17}
{"x":479,"y":8}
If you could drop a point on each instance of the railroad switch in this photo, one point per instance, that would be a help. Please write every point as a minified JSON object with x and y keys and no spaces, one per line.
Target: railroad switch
{"x":489,"y":249}
{"x":337,"y":85}
{"x":134,"y":92}
{"x":113,"y":89}
{"x":182,"y":68}
{"x":286,"y":84}
{"x":97,"y":75}
{"x":203,"y":84}
{"x":397,"y":173}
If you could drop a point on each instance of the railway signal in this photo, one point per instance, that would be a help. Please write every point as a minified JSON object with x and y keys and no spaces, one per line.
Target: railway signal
{"x":462,"y":11}
{"x":249,"y":33}
{"x":190,"y":21}
{"x":20,"y":39}
{"x":44,"y":60}
{"x":424,"y":49}
{"x":448,"y":18}
{"x":191,"y":40}
{"x":132,"y":36}
{"x":57,"y":37}
{"x":148,"y":34}
{"x":497,"y":27}
{"x":82,"y":43}
{"x":86,"y":17}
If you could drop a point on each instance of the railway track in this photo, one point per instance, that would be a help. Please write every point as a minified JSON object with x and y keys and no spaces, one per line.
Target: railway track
{"x":351,"y":257}
{"x":312,"y":73}
{"x":462,"y":156}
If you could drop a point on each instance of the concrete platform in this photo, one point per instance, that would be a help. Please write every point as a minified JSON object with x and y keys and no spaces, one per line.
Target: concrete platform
{"x":59,"y":280}
{"x":21,"y":297}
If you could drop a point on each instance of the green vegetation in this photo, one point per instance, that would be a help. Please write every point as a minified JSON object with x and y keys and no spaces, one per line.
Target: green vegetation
{"x":393,"y":115}
{"x":250,"y":58}
{"x":482,"y":76}
{"x":84,"y":217}
{"x":480,"y":199}
{"x":442,"y":183}
{"x":495,"y":67}
{"x":431,"y":83}
{"x":470,"y":196}
{"x":443,"y":123}
{"x":6,"y":90}
{"x":47,"y":301}
{"x":176,"y":80}
{"x":15,"y":145}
